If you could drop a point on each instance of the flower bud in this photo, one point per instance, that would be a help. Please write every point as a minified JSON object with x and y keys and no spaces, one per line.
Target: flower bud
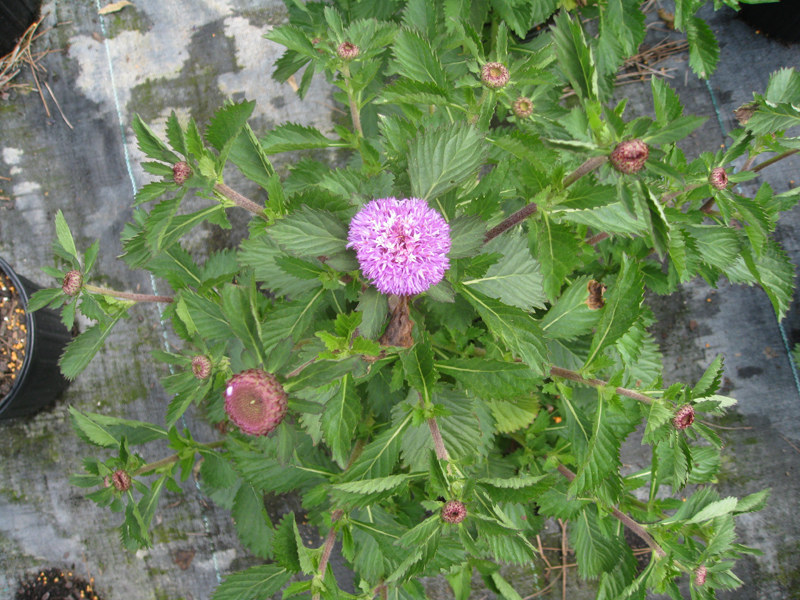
{"x":494,"y":75}
{"x":347,"y":51}
{"x":181,"y":172}
{"x":700,"y":575}
{"x":684,"y":417}
{"x":454,"y":512}
{"x":629,"y":156}
{"x":522,"y":107}
{"x":718,"y":178}
{"x":121,"y":480}
{"x":73,"y":281}
{"x":255,"y":401}
{"x":201,"y":367}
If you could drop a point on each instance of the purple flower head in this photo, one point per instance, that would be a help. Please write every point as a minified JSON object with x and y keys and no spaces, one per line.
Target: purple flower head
{"x":401,"y":245}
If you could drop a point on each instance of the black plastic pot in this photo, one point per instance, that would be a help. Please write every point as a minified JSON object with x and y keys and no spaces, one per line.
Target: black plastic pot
{"x":780,"y":20}
{"x":39,"y":381}
{"x":15,"y":18}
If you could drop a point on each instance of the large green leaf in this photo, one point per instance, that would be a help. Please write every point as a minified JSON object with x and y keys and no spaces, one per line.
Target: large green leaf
{"x":261,"y":581}
{"x":558,"y":253}
{"x":227,"y":122}
{"x":420,"y":369}
{"x":251,"y":158}
{"x":290,"y":136}
{"x":516,"y":328}
{"x":703,"y":47}
{"x":490,"y":378}
{"x":622,"y":309}
{"x":595,"y":552}
{"x":342,"y":414}
{"x":252,"y":522}
{"x":442,"y":158}
{"x":575,"y":56}
{"x":515,"y":279}
{"x":290,"y":319}
{"x":80,"y":351}
{"x":379,"y":456}
{"x":416,"y":60}
{"x":601,"y":459}
{"x":570,"y":316}
{"x":310,"y":233}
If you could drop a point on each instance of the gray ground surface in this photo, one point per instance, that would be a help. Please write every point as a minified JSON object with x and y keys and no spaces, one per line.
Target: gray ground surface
{"x":189,"y":55}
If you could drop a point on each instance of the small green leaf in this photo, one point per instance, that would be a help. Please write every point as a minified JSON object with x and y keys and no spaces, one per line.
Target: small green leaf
{"x":342,"y":414}
{"x":65,"y":236}
{"x":227,"y":122}
{"x":80,"y":351}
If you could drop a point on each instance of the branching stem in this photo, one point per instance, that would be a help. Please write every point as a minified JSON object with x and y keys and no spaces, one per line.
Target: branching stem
{"x":239,"y":200}
{"x":330,"y":540}
{"x":154,"y":466}
{"x":126,"y":295}
{"x":527,"y":210}
{"x":624,"y":519}
{"x":573,"y":376}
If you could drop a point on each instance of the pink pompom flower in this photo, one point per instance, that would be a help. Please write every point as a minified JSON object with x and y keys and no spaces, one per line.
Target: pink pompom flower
{"x":255,"y":401}
{"x":401,"y":245}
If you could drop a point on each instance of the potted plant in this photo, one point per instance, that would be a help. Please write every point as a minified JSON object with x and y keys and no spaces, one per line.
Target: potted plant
{"x":30,"y":347}
{"x":444,"y":342}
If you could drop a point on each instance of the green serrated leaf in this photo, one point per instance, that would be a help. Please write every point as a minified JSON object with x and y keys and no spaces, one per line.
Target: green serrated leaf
{"x":260,"y":581}
{"x":80,"y":351}
{"x":310,"y":233}
{"x":252,"y":522}
{"x":342,"y":414}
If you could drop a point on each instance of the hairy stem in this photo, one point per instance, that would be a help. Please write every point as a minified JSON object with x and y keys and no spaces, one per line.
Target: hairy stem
{"x":355,"y":114}
{"x":239,"y":200}
{"x":438,"y":442}
{"x":573,"y":376}
{"x":773,"y":160}
{"x":526,"y":211}
{"x":596,"y":239}
{"x":126,"y":295}
{"x":624,"y":519}
{"x":586,"y":168}
{"x":154,"y":466}
{"x":330,"y":540}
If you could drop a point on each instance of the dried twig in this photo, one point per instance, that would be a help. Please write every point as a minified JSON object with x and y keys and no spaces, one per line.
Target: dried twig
{"x":790,"y":443}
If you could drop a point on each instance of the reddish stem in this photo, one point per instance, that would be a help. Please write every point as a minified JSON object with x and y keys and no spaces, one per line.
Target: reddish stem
{"x":573,"y":376}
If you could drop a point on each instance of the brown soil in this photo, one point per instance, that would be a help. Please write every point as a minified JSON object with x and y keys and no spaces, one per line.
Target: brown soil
{"x":13,"y":335}
{"x":56,"y":584}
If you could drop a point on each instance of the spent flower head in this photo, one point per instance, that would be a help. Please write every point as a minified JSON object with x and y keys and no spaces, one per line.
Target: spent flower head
{"x":347,"y":51}
{"x":494,"y":75}
{"x":201,"y":366}
{"x":181,"y":171}
{"x":522,"y":107}
{"x":401,"y":245}
{"x":73,"y":281}
{"x":629,"y":156}
{"x":121,"y":480}
{"x":684,"y":417}
{"x":255,"y":401}
{"x":454,"y":512}
{"x":718,"y":178}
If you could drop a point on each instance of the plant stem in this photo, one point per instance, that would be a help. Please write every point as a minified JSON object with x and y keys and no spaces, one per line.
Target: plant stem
{"x":596,"y":239}
{"x":239,"y":200}
{"x":169,"y":460}
{"x":354,"y":112}
{"x":438,"y":442}
{"x":624,"y":519}
{"x":126,"y":295}
{"x":773,"y":160}
{"x":586,"y":168}
{"x":526,"y":211}
{"x":330,"y":540}
{"x":573,"y":376}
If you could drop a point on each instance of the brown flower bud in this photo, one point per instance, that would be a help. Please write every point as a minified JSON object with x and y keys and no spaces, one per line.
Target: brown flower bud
{"x":595,"y":301}
{"x":494,"y":75}
{"x":744,"y":112}
{"x":347,"y":51}
{"x":454,"y":512}
{"x":522,"y":107}
{"x":718,"y":178}
{"x":629,"y":156}
{"x":121,"y":480}
{"x":684,"y":417}
{"x":201,"y":366}
{"x":181,"y":172}
{"x":255,"y":401}
{"x":72,"y":284}
{"x":700,"y":575}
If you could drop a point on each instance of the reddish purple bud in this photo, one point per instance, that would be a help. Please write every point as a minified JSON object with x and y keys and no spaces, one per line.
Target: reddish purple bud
{"x":201,"y":366}
{"x":255,"y":401}
{"x":181,"y":172}
{"x":684,"y":417}
{"x":454,"y":512}
{"x":718,"y":178}
{"x":522,"y":107}
{"x":73,"y":281}
{"x":629,"y":156}
{"x":347,"y":51}
{"x":700,"y":575}
{"x":494,"y":75}
{"x":121,"y":480}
